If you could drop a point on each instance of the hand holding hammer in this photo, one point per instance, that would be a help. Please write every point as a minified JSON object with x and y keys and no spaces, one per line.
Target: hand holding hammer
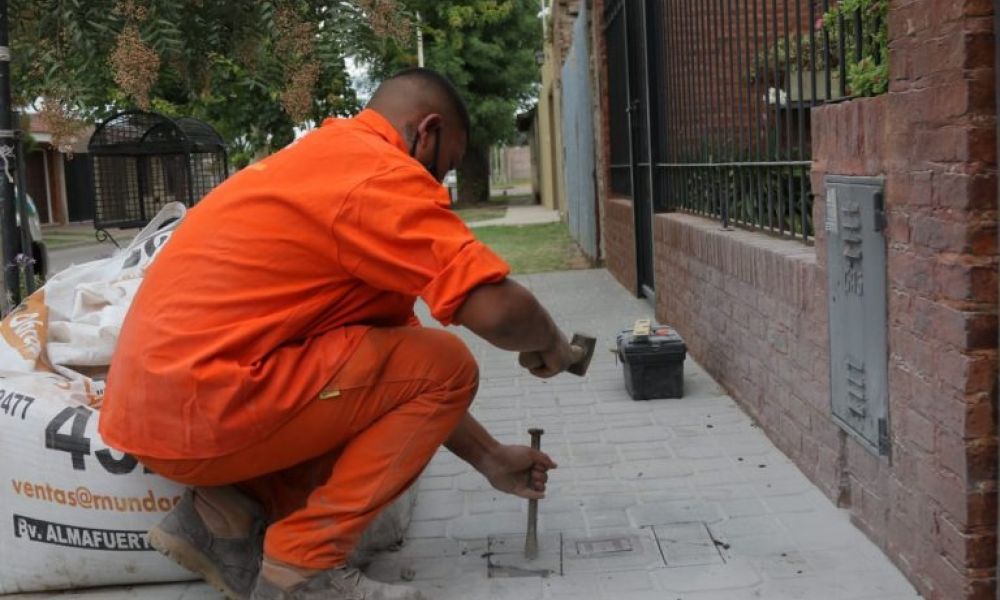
{"x":573,"y":357}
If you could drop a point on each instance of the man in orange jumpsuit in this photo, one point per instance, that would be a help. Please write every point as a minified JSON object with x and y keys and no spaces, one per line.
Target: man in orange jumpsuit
{"x":272,"y":359}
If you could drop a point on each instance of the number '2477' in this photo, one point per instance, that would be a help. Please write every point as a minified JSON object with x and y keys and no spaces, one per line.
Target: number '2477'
{"x":11,"y":401}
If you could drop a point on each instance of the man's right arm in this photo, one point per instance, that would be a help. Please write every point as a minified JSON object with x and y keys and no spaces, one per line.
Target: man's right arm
{"x":510,"y":317}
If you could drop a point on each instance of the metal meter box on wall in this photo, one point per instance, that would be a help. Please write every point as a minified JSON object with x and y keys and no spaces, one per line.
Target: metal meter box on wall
{"x":856,"y":272}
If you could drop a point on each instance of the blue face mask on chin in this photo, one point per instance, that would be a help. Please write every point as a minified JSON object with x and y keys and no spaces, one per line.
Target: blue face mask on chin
{"x":431,"y":168}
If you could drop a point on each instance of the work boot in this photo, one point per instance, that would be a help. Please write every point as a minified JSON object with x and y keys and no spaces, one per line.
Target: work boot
{"x":279,"y":582}
{"x":217,"y":533}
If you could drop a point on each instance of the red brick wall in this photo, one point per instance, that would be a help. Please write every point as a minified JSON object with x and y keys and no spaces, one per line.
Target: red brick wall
{"x":753,"y":309}
{"x":619,"y":241}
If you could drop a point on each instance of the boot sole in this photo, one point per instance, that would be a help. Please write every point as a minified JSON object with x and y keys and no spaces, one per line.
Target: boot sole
{"x":189,"y":557}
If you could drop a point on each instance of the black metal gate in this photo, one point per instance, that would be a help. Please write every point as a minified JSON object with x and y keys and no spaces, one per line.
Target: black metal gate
{"x":631,"y":98}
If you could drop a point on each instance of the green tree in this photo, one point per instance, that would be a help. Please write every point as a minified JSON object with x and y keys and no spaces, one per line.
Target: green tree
{"x":487,"y":48}
{"x":254,"y":69}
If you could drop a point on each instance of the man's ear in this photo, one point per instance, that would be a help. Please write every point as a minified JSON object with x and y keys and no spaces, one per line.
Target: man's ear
{"x":429,"y":124}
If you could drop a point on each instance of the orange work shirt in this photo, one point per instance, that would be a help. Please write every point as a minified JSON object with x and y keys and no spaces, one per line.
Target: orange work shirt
{"x":265,"y":289}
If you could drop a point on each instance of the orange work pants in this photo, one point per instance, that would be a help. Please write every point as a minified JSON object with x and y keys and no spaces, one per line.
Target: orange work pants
{"x":328,"y":472}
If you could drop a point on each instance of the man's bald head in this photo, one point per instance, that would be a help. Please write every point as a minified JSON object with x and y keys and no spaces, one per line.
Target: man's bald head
{"x":413,"y":93}
{"x":429,"y":115}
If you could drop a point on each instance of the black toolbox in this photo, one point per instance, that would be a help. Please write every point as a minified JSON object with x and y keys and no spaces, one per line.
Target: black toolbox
{"x":653,"y":360}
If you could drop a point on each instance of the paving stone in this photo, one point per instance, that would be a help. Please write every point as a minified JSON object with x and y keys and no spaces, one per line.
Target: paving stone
{"x":480,"y":527}
{"x":493,"y":502}
{"x":634,"y":431}
{"x":434,"y":505}
{"x":562,"y":521}
{"x":619,"y":407}
{"x":736,"y":527}
{"x":720,"y":463}
{"x":440,"y":467}
{"x":734,"y":575}
{"x":398,"y":569}
{"x":583,"y":473}
{"x":427,"y":529}
{"x":764,"y":544}
{"x":695,"y":448}
{"x":557,"y":502}
{"x":809,"y":532}
{"x":436,"y":483}
{"x":593,"y":453}
{"x":653,"y":469}
{"x":727,"y":491}
{"x":527,"y":588}
{"x":717,"y":478}
{"x":608,"y":501}
{"x":656,"y":452}
{"x":472,"y":481}
{"x":687,"y":545}
{"x":680,"y":490}
{"x":600,"y":518}
{"x":746,"y":507}
{"x":611,"y":549}
{"x":676,"y":511}
{"x":805,"y":502}
{"x":579,"y":586}
{"x":575,"y":411}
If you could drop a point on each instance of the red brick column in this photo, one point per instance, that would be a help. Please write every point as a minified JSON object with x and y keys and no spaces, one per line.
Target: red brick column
{"x":933,"y":507}
{"x":619,"y":241}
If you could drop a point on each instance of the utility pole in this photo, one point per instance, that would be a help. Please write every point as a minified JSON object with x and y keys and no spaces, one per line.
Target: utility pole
{"x":9,"y":274}
{"x":420,"y":43}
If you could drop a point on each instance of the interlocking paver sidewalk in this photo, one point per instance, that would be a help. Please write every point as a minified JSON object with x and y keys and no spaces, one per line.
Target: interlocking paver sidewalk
{"x":701,"y":505}
{"x":521,"y":215}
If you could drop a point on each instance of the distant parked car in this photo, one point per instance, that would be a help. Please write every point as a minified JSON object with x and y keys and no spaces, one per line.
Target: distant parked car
{"x":38,"y":250}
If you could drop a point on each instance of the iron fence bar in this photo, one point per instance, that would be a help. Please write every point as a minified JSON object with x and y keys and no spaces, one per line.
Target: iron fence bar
{"x":757,"y":112}
{"x":799,"y":199}
{"x":858,"y":36}
{"x":789,"y":119}
{"x":767,"y":118}
{"x":686,"y":22}
{"x":725,"y":138}
{"x":650,"y":81}
{"x":827,"y":68}
{"x":713,"y":117}
{"x":673,"y":107}
{"x":876,"y":51}
{"x":778,"y":115}
{"x":776,"y":163}
{"x":702,"y":188}
{"x":736,"y":116}
{"x":812,"y":52}
{"x":842,"y":51}
{"x":715,"y":21}
{"x":755,"y":108}
{"x":695,"y":153}
{"x":667,"y":45}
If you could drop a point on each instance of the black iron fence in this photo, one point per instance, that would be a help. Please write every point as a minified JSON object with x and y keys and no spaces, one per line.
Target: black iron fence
{"x":716,"y":96}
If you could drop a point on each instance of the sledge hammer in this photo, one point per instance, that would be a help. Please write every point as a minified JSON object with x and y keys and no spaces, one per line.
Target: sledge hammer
{"x":583,"y":346}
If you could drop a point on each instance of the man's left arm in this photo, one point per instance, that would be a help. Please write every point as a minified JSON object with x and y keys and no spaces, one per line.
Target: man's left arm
{"x":506,"y":467}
